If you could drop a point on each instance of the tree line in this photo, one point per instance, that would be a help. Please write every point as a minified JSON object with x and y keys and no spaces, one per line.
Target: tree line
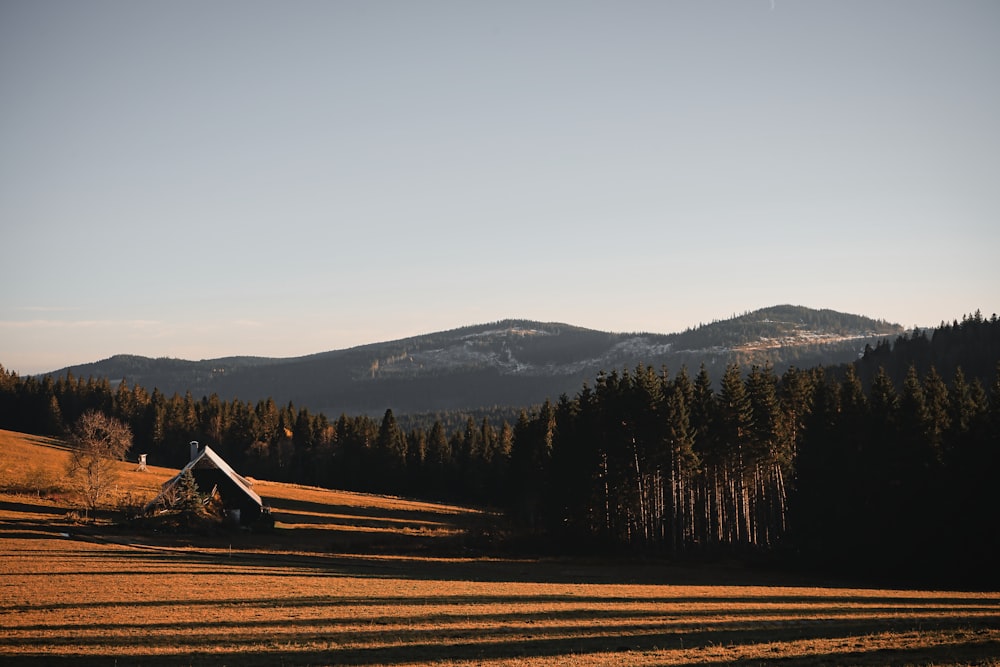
{"x":432,"y":458}
{"x":879,"y":464}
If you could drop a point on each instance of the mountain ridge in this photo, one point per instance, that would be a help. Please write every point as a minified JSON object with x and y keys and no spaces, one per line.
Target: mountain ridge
{"x":505,"y":362}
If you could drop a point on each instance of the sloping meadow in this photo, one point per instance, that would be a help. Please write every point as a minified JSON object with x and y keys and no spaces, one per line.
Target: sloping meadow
{"x":348,"y":579}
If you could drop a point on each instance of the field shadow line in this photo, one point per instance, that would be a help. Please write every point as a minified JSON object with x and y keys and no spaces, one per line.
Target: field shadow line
{"x":467,"y":642}
{"x":421,"y":566}
{"x":532,"y":647}
{"x":971,"y":653}
{"x":672,"y":619}
{"x":282,"y":505}
{"x":24,"y":507}
{"x":902,"y":603}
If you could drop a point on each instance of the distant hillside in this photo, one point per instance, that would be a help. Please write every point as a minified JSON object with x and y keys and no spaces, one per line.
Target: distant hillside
{"x":507,"y":363}
{"x":782,"y":326}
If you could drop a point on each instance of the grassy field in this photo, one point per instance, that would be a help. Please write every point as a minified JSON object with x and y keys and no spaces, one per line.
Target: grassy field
{"x":352,"y":579}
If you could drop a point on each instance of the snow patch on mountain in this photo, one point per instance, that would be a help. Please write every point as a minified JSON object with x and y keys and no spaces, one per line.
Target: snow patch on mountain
{"x":494,"y":349}
{"x":640,"y":345}
{"x":508,"y":331}
{"x":508,"y":349}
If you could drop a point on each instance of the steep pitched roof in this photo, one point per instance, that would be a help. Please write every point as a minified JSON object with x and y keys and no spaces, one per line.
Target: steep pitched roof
{"x":207,"y":458}
{"x":213,"y":460}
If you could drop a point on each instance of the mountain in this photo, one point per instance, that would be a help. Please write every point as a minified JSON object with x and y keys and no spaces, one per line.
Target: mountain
{"x":506,"y":363}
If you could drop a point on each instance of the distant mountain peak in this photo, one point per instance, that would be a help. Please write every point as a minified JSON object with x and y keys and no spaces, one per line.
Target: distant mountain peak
{"x":509,"y":362}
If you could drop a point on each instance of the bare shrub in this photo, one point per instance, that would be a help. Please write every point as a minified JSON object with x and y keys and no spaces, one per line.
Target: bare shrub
{"x":98,"y":443}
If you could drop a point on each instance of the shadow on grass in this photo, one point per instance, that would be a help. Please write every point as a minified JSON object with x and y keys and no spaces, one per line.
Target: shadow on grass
{"x":295,"y":552}
{"x":820,"y":604}
{"x":503,"y":627}
{"x":627,"y":647}
{"x":24,"y":505}
{"x":369,"y":512}
{"x":692,"y":624}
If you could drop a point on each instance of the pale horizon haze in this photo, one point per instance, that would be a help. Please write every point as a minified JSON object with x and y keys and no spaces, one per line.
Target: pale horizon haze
{"x":205,"y":179}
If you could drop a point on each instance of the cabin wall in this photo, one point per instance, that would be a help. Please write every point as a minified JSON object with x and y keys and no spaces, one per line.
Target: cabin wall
{"x":232,"y":496}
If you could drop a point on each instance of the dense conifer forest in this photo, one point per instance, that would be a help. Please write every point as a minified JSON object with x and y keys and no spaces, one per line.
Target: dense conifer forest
{"x":882,"y":467}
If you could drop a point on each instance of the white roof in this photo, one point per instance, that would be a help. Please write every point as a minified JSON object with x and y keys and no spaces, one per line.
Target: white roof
{"x":217,"y":461}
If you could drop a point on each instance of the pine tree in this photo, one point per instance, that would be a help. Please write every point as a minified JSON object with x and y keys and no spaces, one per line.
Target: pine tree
{"x":439,"y":454}
{"x":855,"y":489}
{"x":709,"y":522}
{"x":189,"y":498}
{"x":937,"y":403}
{"x":529,"y":465}
{"x":961,"y":407}
{"x":816,"y":512}
{"x":795,"y":394}
{"x":684,"y":464}
{"x":571,"y":469}
{"x":735,"y":419}
{"x":391,"y":442}
{"x":770,"y":454}
{"x":886,"y":539}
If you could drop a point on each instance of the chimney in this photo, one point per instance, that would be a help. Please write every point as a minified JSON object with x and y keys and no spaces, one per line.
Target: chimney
{"x":195,"y":448}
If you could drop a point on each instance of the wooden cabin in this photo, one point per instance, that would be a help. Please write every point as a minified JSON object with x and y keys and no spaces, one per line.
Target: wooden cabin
{"x":216,"y":478}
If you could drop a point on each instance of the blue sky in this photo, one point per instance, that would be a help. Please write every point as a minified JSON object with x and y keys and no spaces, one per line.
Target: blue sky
{"x":204,"y":179}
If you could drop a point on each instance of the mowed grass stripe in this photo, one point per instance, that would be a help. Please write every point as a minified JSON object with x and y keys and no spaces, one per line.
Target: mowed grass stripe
{"x":344,"y":632}
{"x":651,"y":648}
{"x":190,"y":610}
{"x":530,"y":621}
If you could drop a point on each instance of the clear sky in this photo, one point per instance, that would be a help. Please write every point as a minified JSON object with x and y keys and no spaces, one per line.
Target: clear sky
{"x":201,"y":179}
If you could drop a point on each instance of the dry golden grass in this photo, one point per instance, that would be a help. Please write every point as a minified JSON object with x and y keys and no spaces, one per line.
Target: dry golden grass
{"x":80,"y":595}
{"x":31,"y":464}
{"x":37,"y":465}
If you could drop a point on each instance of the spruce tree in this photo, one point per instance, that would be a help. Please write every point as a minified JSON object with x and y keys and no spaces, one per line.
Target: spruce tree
{"x":735,"y":419}
{"x":189,"y":498}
